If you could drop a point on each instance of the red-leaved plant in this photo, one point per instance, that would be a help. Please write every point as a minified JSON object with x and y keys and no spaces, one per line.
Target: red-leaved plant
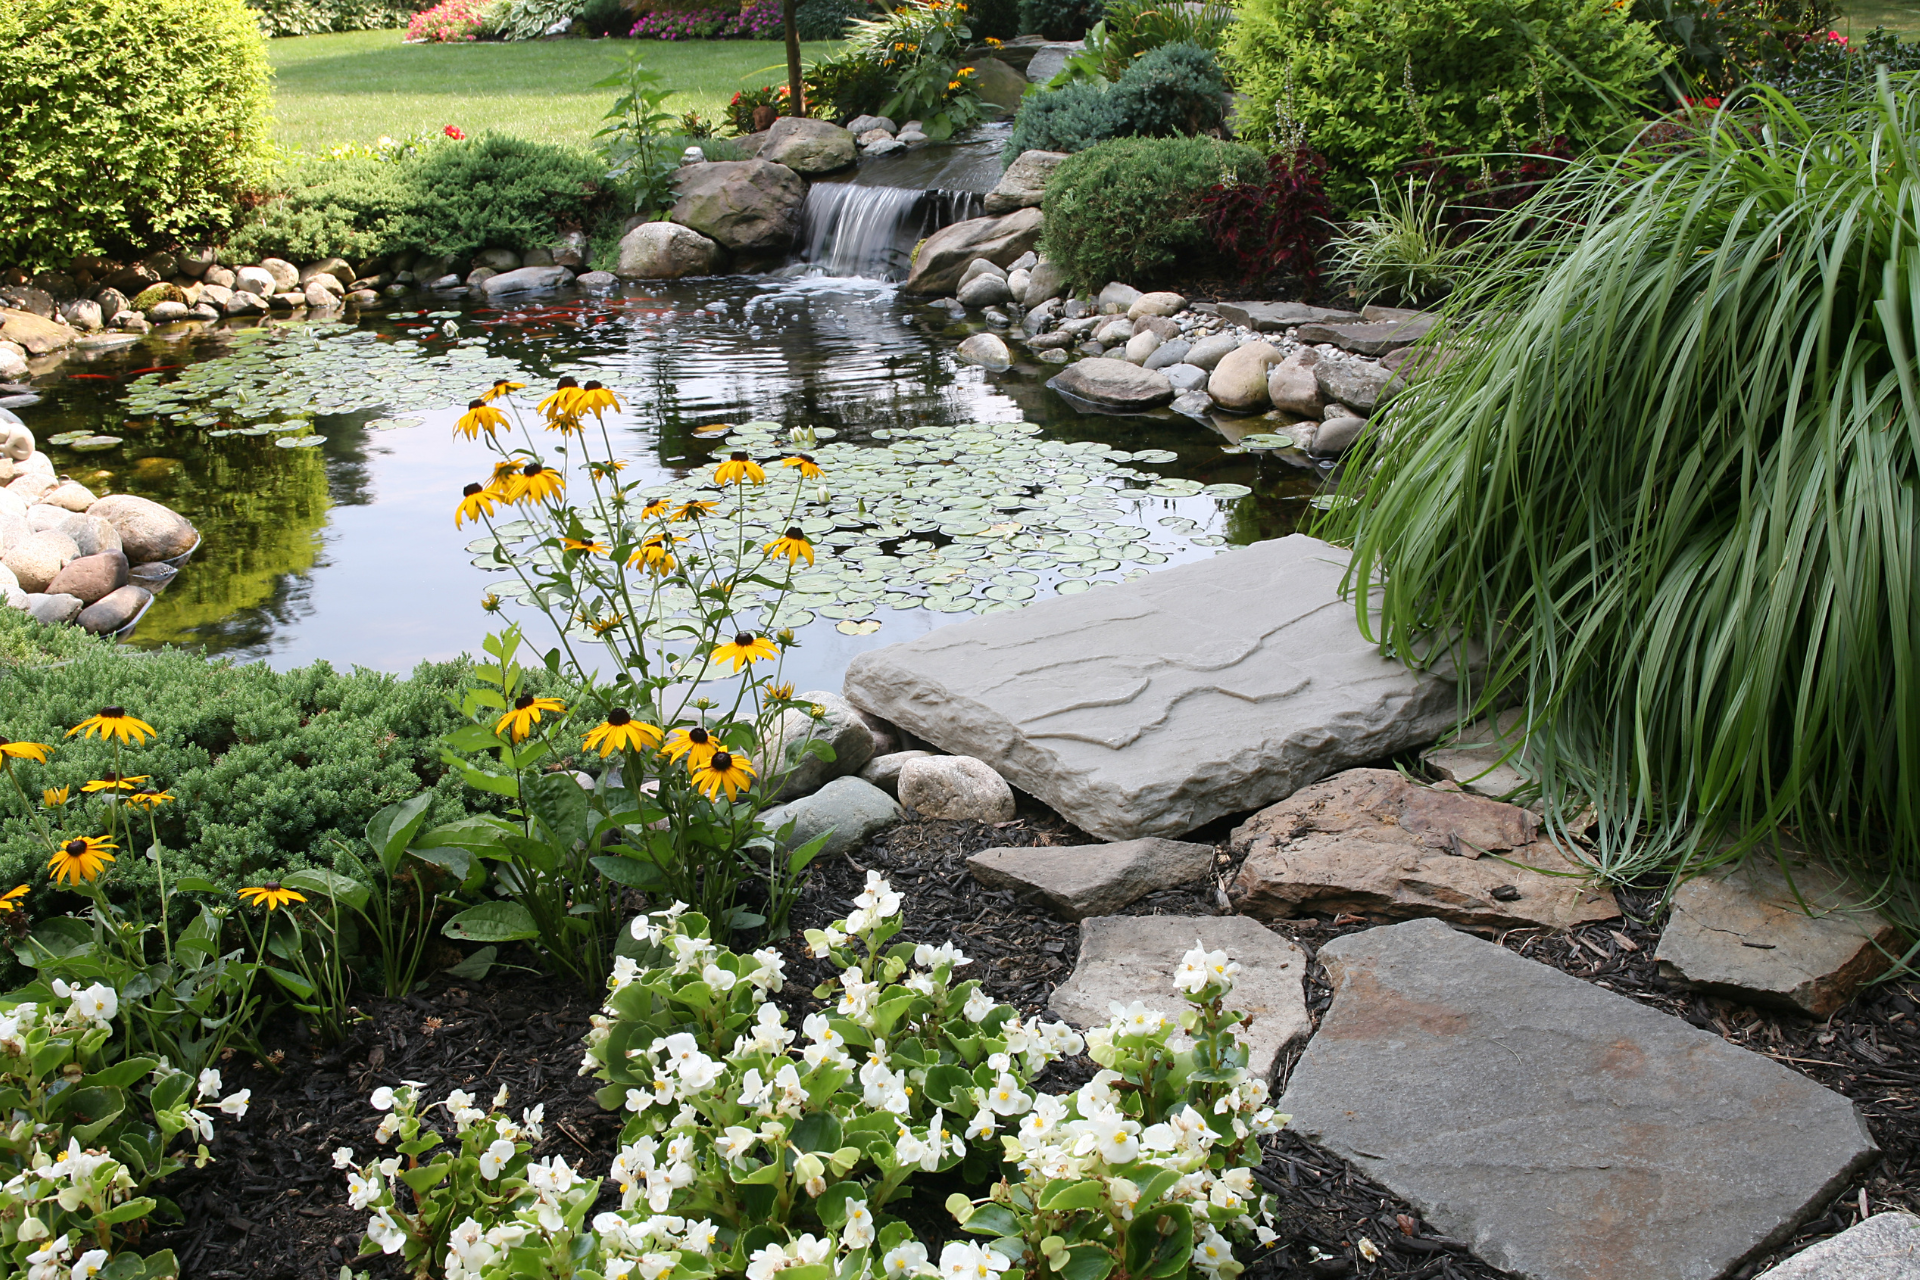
{"x":1276,"y":226}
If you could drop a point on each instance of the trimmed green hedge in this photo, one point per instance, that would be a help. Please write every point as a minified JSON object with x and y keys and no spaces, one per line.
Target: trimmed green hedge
{"x":312,"y":17}
{"x":126,"y":123}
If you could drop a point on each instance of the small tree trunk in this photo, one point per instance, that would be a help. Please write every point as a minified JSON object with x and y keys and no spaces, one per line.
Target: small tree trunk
{"x":796,"y":95}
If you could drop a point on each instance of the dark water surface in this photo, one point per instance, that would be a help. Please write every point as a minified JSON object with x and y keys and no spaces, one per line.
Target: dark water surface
{"x":344,"y":549}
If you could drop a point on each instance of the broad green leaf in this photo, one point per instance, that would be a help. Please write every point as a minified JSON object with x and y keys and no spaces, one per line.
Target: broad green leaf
{"x":392,"y":829}
{"x":492,"y":922}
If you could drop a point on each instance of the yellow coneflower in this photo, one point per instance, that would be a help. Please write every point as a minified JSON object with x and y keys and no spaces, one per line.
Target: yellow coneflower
{"x":621,"y":732}
{"x":723,"y":771}
{"x":9,"y":901}
{"x":658,"y":507}
{"x":272,"y":895}
{"x":490,"y":603}
{"x":11,"y":751}
{"x":480,"y":416}
{"x":739,"y":469}
{"x":519,"y":721}
{"x":476,"y":501}
{"x":606,"y":470}
{"x":779,"y":692}
{"x":793,"y":545}
{"x":54,"y":797}
{"x":591,"y":548}
{"x":114,"y":782}
{"x":565,"y":400}
{"x":744,"y":650}
{"x":695,"y":744}
{"x":594,"y":398}
{"x":150,"y":800}
{"x":114,"y":722}
{"x":694,"y":510}
{"x":505,"y":472}
{"x":501,"y":388}
{"x":82,"y":859}
{"x":601,"y":626}
{"x":538,"y":483}
{"x":655,"y":554}
{"x":808,"y":467}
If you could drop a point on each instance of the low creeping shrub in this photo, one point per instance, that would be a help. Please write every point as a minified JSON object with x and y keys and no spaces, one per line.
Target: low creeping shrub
{"x":1132,"y":207}
{"x":1174,"y":90}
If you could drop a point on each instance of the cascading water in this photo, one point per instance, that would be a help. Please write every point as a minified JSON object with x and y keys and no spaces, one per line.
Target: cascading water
{"x":852,"y":230}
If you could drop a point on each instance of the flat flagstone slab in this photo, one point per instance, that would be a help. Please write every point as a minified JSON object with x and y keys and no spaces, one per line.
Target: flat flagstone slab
{"x":1151,"y":707}
{"x":1129,"y":958}
{"x":1744,"y":932}
{"x":1077,"y":881}
{"x":1564,"y":1132}
{"x":1884,"y":1247}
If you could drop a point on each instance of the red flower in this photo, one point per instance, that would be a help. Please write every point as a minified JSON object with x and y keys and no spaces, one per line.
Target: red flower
{"x":453,"y":131}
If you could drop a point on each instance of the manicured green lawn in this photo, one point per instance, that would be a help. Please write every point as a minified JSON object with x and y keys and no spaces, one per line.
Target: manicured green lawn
{"x":360,"y":85}
{"x":1857,"y":17}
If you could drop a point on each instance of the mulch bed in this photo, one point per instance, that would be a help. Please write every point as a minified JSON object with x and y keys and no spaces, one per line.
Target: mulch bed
{"x":272,"y":1204}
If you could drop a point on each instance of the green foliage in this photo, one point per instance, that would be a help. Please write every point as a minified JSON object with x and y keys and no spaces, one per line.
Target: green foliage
{"x":640,"y":159}
{"x":110,"y":138}
{"x":827,"y":19}
{"x":1173,"y":90}
{"x":529,"y":19}
{"x":1401,"y":249}
{"x":1719,"y":44}
{"x":267,"y":767}
{"x":26,"y":643}
{"x":312,"y":17}
{"x":1667,"y":481}
{"x":1374,"y":82}
{"x":1059,"y":19}
{"x":1130,"y":207}
{"x":1826,"y":67}
{"x":915,"y":49}
{"x":1130,"y":28}
{"x":444,"y":198}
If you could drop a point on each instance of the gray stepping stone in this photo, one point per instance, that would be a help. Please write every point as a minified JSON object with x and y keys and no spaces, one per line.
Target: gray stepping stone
{"x":1562,"y":1131}
{"x":1370,"y":339}
{"x":1272,"y":317}
{"x":1151,"y":707}
{"x":1129,"y":958}
{"x":851,"y":809}
{"x":1473,"y":758}
{"x":1742,"y":932}
{"x":1078,"y":881}
{"x":1884,"y":1247}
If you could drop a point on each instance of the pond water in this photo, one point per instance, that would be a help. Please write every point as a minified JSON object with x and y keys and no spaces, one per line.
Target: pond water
{"x":319,"y":462}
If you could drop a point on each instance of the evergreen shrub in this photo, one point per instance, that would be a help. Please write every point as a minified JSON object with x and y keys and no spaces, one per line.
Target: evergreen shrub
{"x":126,"y":123}
{"x":1175,"y":89}
{"x":1059,"y":19}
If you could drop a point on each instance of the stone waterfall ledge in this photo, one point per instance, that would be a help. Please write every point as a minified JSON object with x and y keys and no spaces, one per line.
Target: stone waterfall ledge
{"x":1152,"y":707}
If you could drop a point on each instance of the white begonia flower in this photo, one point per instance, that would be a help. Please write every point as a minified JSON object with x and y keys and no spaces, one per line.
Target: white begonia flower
{"x":977,"y":1007}
{"x":385,"y":1232}
{"x":500,"y":1098}
{"x":655,"y":1265}
{"x":717,"y":978}
{"x":920,"y":983}
{"x":820,"y":1030}
{"x":1124,"y":1194}
{"x":858,"y":1233}
{"x":766,"y":1261}
{"x":736,"y":1141}
{"x":381,"y":1099}
{"x":830,"y":939}
{"x":983,"y":1123}
{"x":469,"y":1243}
{"x":679,"y":1047}
{"x":1045,"y":1116}
{"x":701,"y":1237}
{"x":811,"y":1249}
{"x":495,"y":1158}
{"x":209,"y":1084}
{"x":235,"y":1104}
{"x":878,"y":897}
{"x":362,"y":1191}
{"x":199,"y":1122}
{"x":1222,"y":1196}
{"x":1117,"y":1138}
{"x":531,"y":1118}
{"x":999,"y":1062}
{"x":389,"y":1168}
{"x":753,"y":1091}
{"x":388,"y":1127}
{"x":772,"y":973}
{"x":1006,"y":1099}
{"x":698,"y":1073}
{"x":907,"y":1260}
{"x":930,"y":957}
{"x":1240,"y":1179}
{"x":1211,"y":1251}
{"x":32,"y":1229}
{"x":625,"y":970}
{"x":88,"y":1264}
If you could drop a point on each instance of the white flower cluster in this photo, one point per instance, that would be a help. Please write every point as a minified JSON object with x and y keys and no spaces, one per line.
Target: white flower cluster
{"x":93,"y":1006}
{"x":54,"y":1260}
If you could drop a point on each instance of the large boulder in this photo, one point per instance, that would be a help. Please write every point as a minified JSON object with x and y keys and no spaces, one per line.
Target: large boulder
{"x":809,"y":146}
{"x":665,"y":251}
{"x":114,"y":610}
{"x":748,"y":206}
{"x":986,"y":350}
{"x":35,"y":333}
{"x":1083,"y":880}
{"x":955,"y":787}
{"x":1045,"y":282}
{"x":1149,"y":708}
{"x":1024,"y":182}
{"x":1358,"y":384}
{"x":851,"y":809}
{"x":1114,"y":384}
{"x":1239,"y":381}
{"x":997,"y":83}
{"x":1293,"y":388}
{"x":148,"y":531}
{"x":91,"y":578}
{"x":838,"y":726}
{"x":528,"y":280}
{"x":948,"y":251}
{"x":38,"y":558}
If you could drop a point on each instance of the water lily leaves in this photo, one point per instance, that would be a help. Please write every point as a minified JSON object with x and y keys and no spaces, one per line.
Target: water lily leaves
{"x":300,"y":442}
{"x":864,"y":628}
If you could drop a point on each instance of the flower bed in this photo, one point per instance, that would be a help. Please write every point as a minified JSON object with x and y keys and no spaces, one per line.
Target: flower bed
{"x":755,"y":21}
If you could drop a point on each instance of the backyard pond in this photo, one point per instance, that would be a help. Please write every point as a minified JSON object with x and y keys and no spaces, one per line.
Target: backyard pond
{"x":320,"y":463}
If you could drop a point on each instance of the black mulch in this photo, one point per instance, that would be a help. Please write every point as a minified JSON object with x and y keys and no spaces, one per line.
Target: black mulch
{"x":272,"y":1204}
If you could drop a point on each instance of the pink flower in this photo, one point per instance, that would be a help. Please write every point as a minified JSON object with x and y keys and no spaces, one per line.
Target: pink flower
{"x":453,"y":130}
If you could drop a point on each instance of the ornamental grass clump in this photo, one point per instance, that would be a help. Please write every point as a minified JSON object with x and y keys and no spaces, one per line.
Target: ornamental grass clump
{"x":754,"y":1148}
{"x":1667,"y":482}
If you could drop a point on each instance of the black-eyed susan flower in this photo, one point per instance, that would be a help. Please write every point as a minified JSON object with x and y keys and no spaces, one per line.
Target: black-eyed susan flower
{"x":779,"y":692}
{"x":538,"y":483}
{"x":744,"y":650}
{"x":525,"y":713}
{"x":723,"y":771}
{"x":655,"y":554}
{"x":272,"y":895}
{"x":10,"y":900}
{"x":594,"y":398}
{"x":501,"y":388}
{"x":695,"y":509}
{"x":114,"y":722}
{"x":490,"y":603}
{"x":113,"y":782}
{"x":11,"y":751}
{"x":476,"y":501}
{"x":564,"y":402}
{"x":606,"y":470}
{"x":809,"y":469}
{"x":505,"y":472}
{"x":591,"y":548}
{"x":54,"y":797}
{"x":694,"y":744}
{"x":81,"y":859}
{"x":621,"y":732}
{"x":601,"y":626}
{"x":480,"y":416}
{"x":793,"y":545}
{"x":656,"y":508}
{"x":150,"y":799}
{"x":739,"y":469}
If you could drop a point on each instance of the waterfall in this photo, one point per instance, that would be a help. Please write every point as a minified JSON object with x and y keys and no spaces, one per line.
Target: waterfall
{"x":852,"y":230}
